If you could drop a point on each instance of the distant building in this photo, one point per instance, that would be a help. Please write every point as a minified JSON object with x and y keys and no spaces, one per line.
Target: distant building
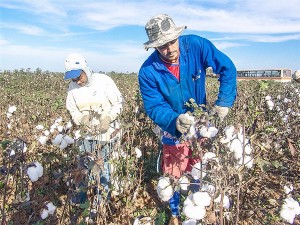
{"x":281,"y":75}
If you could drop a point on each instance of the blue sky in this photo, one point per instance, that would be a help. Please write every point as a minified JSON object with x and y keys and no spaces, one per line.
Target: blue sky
{"x":255,"y":34}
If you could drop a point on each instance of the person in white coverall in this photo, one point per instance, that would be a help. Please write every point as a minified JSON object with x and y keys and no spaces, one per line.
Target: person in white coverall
{"x":94,"y":102}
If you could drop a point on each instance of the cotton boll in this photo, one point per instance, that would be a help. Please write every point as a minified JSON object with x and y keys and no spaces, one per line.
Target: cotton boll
{"x":286,"y":100}
{"x":63,"y":144}
{"x":12,"y":109}
{"x":201,"y":198}
{"x":58,"y":120}
{"x":289,"y":210}
{"x":43,"y":140}
{"x":12,"y":153}
{"x":35,"y":172}
{"x":212,"y":131}
{"x":164,"y":189}
{"x":39,"y":169}
{"x":57,"y":140}
{"x":194,"y":212}
{"x":226,"y":202}
{"x":46,"y":132}
{"x":209,"y":156}
{"x":77,"y":134}
{"x":166,"y":194}
{"x":229,"y":132}
{"x":184,"y":183}
{"x":44,"y":213}
{"x":51,"y":207}
{"x":32,"y":174}
{"x":53,"y":126}
{"x":288,"y":188}
{"x":248,"y":161}
{"x":268,"y":97}
{"x":287,"y":216}
{"x":236,"y":144}
{"x":238,"y":153}
{"x":68,"y":139}
{"x":60,"y":128}
{"x":248,"y":149}
{"x":270,"y":105}
{"x":39,"y":127}
{"x":190,"y":222}
{"x":208,"y":188}
{"x":225,"y":140}
{"x":138,"y":152}
{"x":285,"y":118}
{"x":196,"y":171}
{"x":189,"y":200}
{"x":8,"y":115}
{"x":192,"y":132}
{"x":24,"y":148}
{"x":189,"y":117}
{"x":69,"y":125}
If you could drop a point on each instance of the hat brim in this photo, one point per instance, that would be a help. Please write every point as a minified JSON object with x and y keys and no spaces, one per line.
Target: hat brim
{"x":167,"y":38}
{"x":72,"y":74}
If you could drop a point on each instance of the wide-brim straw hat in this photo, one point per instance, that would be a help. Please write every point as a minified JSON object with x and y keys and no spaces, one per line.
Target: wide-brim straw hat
{"x":161,"y":29}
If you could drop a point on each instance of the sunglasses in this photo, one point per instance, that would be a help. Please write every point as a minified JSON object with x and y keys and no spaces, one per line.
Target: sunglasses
{"x":78,"y":78}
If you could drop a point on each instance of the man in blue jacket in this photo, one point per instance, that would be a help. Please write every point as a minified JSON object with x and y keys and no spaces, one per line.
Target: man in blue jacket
{"x":172,"y":75}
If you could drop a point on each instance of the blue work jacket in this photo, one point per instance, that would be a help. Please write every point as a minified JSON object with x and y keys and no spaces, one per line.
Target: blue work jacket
{"x":165,"y":96}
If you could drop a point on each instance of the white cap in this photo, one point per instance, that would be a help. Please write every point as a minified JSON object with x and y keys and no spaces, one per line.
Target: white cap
{"x":74,"y":64}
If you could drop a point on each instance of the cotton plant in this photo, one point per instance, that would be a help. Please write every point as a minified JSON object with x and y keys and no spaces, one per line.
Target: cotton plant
{"x":43,"y":134}
{"x":230,"y":134}
{"x":198,"y":171}
{"x":77,"y":134}
{"x":269,"y":102}
{"x":43,"y":139}
{"x":192,"y":130}
{"x":35,"y":171}
{"x":10,"y":111}
{"x":62,"y":141}
{"x":20,"y":148}
{"x":164,"y":189}
{"x":288,"y":188}
{"x":287,"y":100}
{"x":138,"y":152}
{"x":225,"y":202}
{"x":49,"y":209}
{"x":208,"y":131}
{"x":194,"y":206}
{"x":239,"y":145}
{"x":184,"y":183}
{"x":209,"y":156}
{"x":289,"y":210}
{"x":209,"y":188}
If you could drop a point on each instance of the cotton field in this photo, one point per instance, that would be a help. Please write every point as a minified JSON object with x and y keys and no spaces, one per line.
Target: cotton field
{"x":249,"y":173}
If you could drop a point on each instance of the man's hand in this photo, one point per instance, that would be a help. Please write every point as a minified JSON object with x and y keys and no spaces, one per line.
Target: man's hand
{"x":220,"y":111}
{"x":105,"y":121}
{"x":184,"y":122}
